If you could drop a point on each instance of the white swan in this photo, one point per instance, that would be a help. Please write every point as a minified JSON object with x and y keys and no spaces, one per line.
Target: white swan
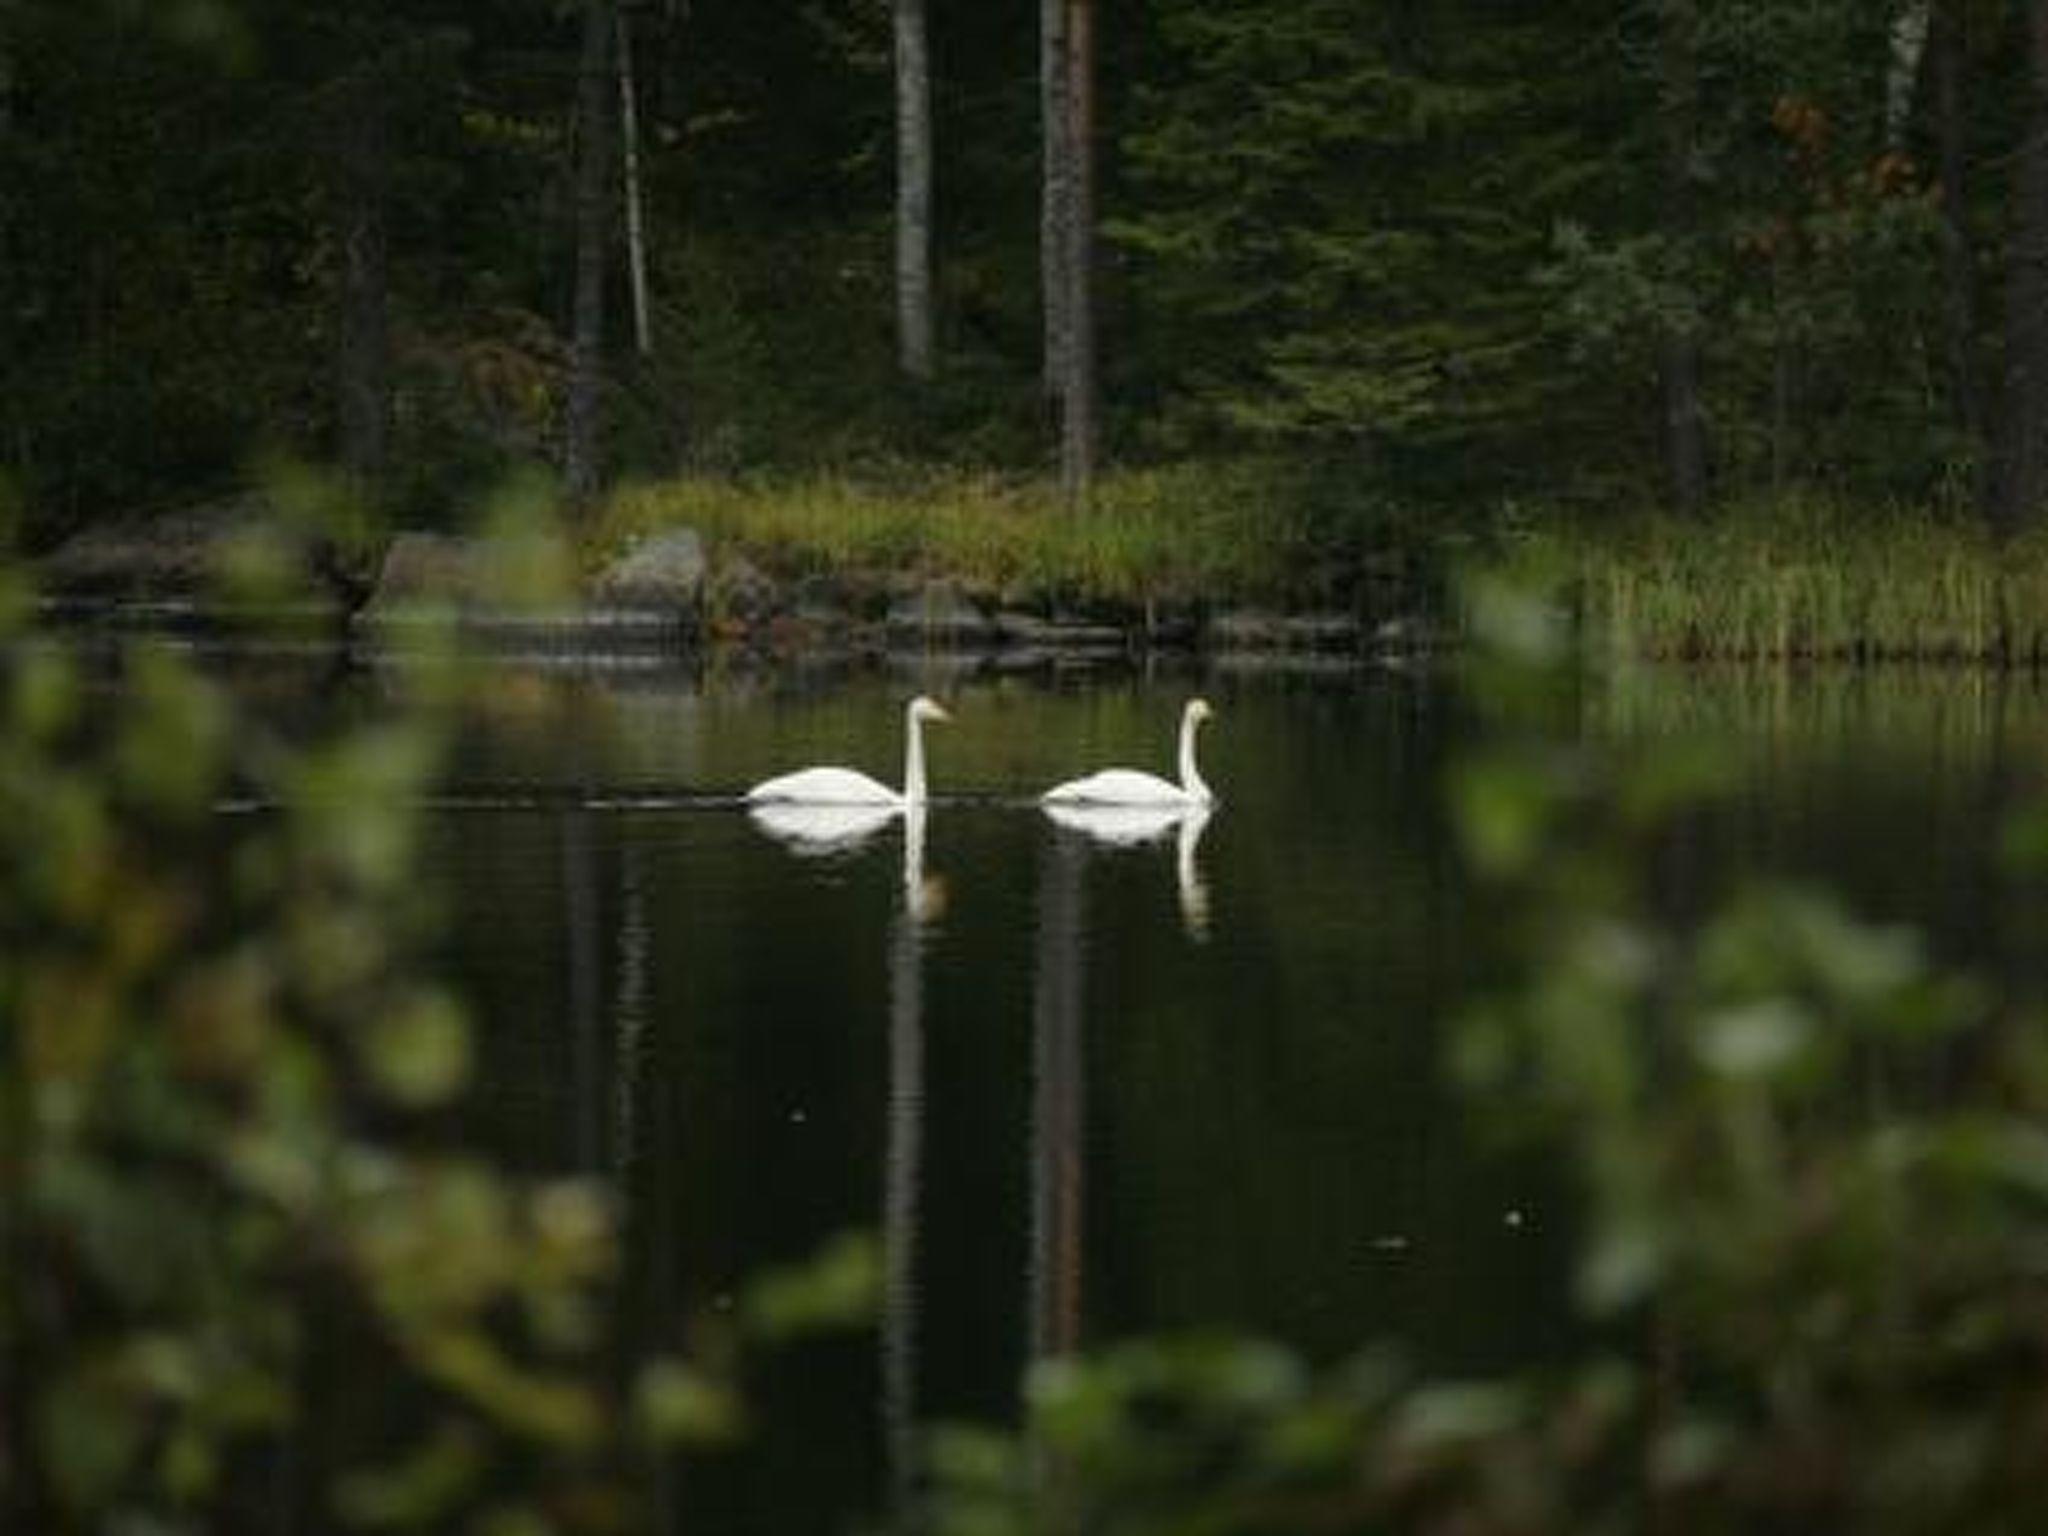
{"x":843,"y":786}
{"x":1126,"y":786}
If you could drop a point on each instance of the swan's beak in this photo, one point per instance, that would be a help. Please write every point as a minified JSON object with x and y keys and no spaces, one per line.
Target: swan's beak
{"x":939,"y":713}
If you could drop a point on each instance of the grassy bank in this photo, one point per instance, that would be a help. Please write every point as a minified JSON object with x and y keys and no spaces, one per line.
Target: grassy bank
{"x":1802,"y":580}
{"x":1204,"y":533}
{"x":1808,"y":581}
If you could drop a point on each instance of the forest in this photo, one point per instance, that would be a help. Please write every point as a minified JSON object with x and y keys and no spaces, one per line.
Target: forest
{"x":1453,"y":254}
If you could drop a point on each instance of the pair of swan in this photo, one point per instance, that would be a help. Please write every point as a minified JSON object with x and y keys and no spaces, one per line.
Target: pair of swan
{"x":1119,"y":787}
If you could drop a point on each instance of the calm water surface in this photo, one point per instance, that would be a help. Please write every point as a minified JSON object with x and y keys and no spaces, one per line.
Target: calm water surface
{"x":1083,"y":1088}
{"x":1080,"y":1087}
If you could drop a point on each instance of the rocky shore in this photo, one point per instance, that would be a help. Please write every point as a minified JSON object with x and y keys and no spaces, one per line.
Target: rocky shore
{"x":233,"y":567}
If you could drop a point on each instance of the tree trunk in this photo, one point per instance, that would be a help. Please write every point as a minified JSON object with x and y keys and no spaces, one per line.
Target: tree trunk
{"x":913,"y":190}
{"x":1055,"y":197}
{"x":363,"y":353}
{"x":1958,"y":264}
{"x":1910,"y":28}
{"x":1685,"y":449}
{"x":2021,"y":468}
{"x":594,"y":94}
{"x":636,"y":222}
{"x":1079,"y":430}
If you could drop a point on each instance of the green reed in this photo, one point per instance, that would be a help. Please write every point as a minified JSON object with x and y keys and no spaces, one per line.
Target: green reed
{"x":1810,"y":581}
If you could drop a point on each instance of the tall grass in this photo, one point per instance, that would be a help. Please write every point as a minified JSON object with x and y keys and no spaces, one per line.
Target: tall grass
{"x":1160,"y":536}
{"x":1810,"y":581}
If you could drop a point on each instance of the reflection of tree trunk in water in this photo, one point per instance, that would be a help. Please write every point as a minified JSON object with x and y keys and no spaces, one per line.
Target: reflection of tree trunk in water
{"x":2004,"y":900}
{"x":636,"y":942}
{"x":1058,"y":1126}
{"x":903,"y":1175}
{"x":586,"y":1030}
{"x":1058,"y":1171}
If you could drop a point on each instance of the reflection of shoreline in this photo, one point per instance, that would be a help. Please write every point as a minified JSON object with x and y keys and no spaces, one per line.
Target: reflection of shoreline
{"x":1133,"y":826}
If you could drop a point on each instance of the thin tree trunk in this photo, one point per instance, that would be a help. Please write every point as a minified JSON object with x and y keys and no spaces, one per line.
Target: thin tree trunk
{"x":594,"y":94}
{"x":1910,"y":28}
{"x":913,"y":190}
{"x":636,"y":221}
{"x":1685,"y":450}
{"x":1055,"y":211}
{"x":363,"y":360}
{"x":2021,"y":481}
{"x":1958,"y":264}
{"x":1079,"y":426}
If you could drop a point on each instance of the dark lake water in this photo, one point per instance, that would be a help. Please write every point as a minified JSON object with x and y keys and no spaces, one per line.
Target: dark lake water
{"x":1081,"y":1088}
{"x":1084,"y":1089}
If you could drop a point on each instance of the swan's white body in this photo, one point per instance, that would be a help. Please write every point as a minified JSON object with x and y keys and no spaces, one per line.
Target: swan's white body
{"x":1129,"y":787}
{"x":847,"y":787}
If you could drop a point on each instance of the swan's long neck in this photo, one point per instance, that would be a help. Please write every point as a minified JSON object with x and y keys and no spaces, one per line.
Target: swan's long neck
{"x":913,"y":759}
{"x":1191,"y":779}
{"x":913,"y":858}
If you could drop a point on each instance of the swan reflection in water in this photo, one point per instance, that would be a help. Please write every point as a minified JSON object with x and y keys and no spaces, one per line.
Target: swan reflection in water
{"x":828,"y":831}
{"x":823,"y":831}
{"x":1132,"y":826}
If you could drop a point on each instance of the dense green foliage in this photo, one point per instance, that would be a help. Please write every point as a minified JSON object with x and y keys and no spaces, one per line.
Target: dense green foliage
{"x":254,"y":1280}
{"x":1439,"y":245}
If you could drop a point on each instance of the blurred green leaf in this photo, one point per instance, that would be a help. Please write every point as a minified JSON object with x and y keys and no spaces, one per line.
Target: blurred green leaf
{"x":419,"y":1051}
{"x":837,"y":1289}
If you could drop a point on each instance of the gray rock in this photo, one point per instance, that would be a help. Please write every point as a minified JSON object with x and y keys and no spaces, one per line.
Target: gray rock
{"x":185,"y":554}
{"x":666,"y":571}
{"x":739,"y":593}
{"x":517,"y":591}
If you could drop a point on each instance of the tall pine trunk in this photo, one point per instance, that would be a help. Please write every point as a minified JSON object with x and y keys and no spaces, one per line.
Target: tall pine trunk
{"x":1958,"y":264}
{"x":1079,"y":427}
{"x":636,"y":221}
{"x":583,"y":428}
{"x":2020,"y":480}
{"x":1685,"y":446}
{"x":363,"y":350}
{"x":913,"y":190}
{"x":1054,"y":208}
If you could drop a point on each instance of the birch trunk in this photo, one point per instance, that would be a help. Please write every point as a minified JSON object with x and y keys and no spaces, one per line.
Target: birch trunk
{"x":1079,"y":426}
{"x":1909,"y":48}
{"x":913,"y":190}
{"x":2021,"y":470}
{"x":584,"y":424}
